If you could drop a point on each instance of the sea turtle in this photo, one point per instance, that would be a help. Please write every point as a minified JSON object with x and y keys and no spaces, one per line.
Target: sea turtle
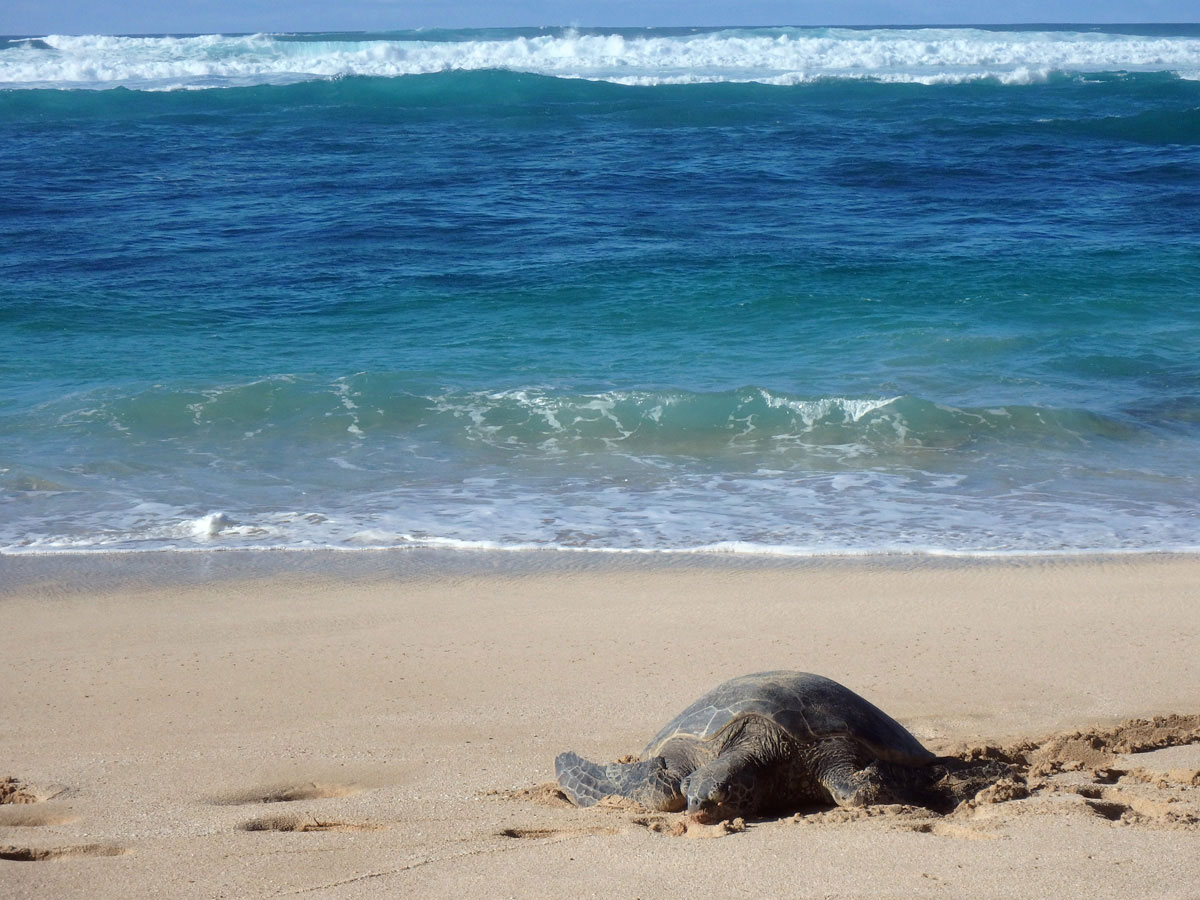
{"x":768,"y":742}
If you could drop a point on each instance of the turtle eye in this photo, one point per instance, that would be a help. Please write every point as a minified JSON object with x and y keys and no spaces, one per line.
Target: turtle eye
{"x":708,"y":796}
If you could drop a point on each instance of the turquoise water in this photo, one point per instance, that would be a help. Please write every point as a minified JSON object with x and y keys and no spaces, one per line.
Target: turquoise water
{"x":759,"y":290}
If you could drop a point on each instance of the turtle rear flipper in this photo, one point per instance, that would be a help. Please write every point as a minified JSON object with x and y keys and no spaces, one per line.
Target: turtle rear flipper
{"x":647,"y":782}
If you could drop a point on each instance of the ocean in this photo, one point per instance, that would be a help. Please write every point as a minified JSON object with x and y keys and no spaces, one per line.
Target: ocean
{"x":793,"y":291}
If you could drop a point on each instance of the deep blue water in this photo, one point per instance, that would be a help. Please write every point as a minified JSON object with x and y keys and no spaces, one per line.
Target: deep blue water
{"x":908,"y":295}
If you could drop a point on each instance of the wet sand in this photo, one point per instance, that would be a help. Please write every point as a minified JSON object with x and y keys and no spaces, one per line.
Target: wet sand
{"x":209,"y":725}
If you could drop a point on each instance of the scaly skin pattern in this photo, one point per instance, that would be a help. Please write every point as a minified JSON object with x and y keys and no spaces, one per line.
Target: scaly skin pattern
{"x":648,"y":782}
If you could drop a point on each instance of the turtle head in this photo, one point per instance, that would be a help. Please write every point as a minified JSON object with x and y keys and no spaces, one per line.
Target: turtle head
{"x":716,"y":791}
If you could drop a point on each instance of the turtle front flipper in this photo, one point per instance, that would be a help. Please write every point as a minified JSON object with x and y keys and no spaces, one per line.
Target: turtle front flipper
{"x":647,"y":782}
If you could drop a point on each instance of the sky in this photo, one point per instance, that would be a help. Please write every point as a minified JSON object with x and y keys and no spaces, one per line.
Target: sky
{"x":38,"y":17}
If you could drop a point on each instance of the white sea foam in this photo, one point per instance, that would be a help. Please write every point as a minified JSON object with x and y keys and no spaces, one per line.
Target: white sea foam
{"x":208,"y":526}
{"x":761,"y":513}
{"x":773,"y":56}
{"x":852,"y":409}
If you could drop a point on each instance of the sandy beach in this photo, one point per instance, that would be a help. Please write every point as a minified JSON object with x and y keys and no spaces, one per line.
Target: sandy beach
{"x":213,"y":725}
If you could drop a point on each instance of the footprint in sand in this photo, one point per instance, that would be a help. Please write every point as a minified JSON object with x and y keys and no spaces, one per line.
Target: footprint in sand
{"x":546,"y":833}
{"x":301,"y":822}
{"x":294,"y":792}
{"x":41,"y":854}
{"x":1129,"y":807}
{"x":288,"y":793}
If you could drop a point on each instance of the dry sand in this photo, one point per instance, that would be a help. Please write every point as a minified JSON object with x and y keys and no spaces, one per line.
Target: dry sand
{"x":209,"y":727}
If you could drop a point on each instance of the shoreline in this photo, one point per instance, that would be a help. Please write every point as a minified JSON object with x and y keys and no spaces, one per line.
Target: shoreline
{"x":334,"y":726}
{"x":194,"y":565}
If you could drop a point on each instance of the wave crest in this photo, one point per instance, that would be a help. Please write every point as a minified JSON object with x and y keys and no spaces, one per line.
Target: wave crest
{"x":773,"y":56}
{"x":379,"y":410}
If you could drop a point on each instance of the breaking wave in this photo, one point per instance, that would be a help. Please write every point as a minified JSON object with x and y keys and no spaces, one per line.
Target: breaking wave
{"x":781,"y":56}
{"x":375,"y":461}
{"x":382,"y":409}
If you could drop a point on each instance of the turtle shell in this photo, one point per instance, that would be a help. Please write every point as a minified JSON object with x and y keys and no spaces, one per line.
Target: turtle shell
{"x":808,"y":707}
